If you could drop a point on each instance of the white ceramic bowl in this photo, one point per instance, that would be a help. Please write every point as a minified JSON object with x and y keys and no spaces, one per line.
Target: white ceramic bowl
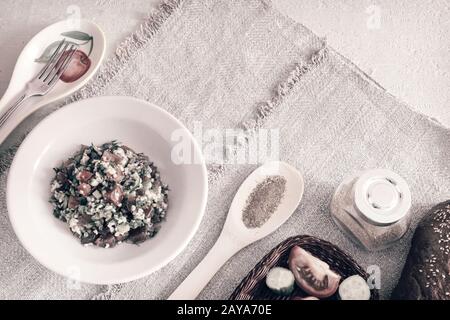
{"x":138,"y":124}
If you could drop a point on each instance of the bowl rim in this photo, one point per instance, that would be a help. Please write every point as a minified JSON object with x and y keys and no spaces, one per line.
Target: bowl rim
{"x":16,"y":162}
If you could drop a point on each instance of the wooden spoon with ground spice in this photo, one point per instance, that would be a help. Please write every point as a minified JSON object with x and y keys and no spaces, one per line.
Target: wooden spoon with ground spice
{"x":264,"y":201}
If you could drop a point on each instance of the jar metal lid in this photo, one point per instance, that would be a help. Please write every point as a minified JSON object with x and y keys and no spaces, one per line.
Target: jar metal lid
{"x":382,"y":196}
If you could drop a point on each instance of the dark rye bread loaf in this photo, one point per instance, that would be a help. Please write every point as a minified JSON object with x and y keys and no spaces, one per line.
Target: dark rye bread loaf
{"x":426,"y":275}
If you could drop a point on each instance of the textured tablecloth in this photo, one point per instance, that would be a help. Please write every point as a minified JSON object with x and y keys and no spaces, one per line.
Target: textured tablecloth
{"x":240,"y":64}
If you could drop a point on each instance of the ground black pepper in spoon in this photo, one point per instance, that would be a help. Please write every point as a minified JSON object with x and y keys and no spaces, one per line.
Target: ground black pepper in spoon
{"x":263,"y":201}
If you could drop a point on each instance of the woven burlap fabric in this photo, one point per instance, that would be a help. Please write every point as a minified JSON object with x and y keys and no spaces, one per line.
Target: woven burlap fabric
{"x":240,"y":64}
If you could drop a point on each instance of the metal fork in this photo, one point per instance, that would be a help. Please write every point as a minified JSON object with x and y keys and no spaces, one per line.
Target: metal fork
{"x":46,"y":79}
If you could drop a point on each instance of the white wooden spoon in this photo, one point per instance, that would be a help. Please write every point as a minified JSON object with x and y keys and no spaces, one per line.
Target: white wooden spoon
{"x":235,"y":235}
{"x":91,"y":41}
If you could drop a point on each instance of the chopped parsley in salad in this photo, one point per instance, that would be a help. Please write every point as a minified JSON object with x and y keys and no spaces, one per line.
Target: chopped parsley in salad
{"x":108,"y":194}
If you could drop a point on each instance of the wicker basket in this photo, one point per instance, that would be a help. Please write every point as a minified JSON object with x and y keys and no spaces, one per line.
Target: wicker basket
{"x":253,"y":286}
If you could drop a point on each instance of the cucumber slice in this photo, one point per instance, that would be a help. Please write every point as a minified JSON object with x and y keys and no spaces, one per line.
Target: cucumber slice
{"x":280,"y":281}
{"x":354,"y":288}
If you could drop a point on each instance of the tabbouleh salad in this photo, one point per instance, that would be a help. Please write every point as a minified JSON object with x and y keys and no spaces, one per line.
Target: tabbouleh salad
{"x":108,"y":194}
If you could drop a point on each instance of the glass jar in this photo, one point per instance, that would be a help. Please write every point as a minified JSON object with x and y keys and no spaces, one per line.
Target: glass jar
{"x":372,"y":207}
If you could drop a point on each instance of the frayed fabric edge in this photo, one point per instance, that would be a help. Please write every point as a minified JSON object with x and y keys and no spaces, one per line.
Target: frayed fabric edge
{"x":265,"y":109}
{"x":109,"y":292}
{"x":128,"y":49}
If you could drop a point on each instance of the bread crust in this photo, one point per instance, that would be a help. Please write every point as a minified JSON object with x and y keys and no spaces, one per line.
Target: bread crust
{"x":426,"y":274}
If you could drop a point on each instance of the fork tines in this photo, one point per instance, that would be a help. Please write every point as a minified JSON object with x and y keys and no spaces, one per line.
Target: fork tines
{"x":58,"y":62}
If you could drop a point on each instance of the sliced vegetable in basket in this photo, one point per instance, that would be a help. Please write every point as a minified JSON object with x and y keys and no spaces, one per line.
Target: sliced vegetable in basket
{"x":312,"y":274}
{"x":354,"y":288}
{"x":280,"y":280}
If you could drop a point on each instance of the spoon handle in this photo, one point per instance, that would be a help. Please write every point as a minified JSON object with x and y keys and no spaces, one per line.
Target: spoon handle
{"x":189,"y":289}
{"x":7,"y":110}
{"x":11,"y":109}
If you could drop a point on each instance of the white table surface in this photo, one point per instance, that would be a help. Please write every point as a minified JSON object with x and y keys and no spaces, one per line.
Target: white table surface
{"x":402,"y":44}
